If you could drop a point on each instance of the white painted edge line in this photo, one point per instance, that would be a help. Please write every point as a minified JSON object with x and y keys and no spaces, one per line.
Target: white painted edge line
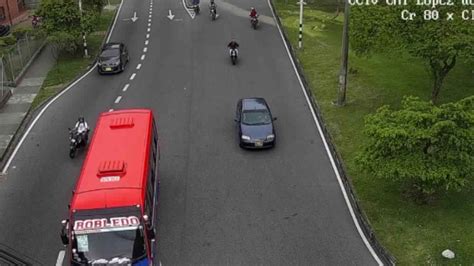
{"x":341,"y":185}
{"x":143,"y":57}
{"x":133,"y":76}
{"x":145,"y":50}
{"x":61,"y":254}
{"x":118,"y":99}
{"x":147,"y":35}
{"x":187,"y":10}
{"x":146,"y":42}
{"x":12,"y":156}
{"x":139,"y":66}
{"x":125,"y":88}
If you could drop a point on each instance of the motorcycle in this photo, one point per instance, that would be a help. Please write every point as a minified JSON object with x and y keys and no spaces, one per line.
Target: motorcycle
{"x":213,"y":13}
{"x":254,"y":22}
{"x":233,"y":56}
{"x":77,"y":140}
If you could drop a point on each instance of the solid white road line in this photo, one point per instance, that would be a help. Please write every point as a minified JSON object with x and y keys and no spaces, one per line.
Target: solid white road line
{"x":59,"y":261}
{"x":145,"y":50}
{"x":33,"y":123}
{"x":139,"y":66}
{"x":143,"y":57}
{"x":341,"y":185}
{"x":125,"y":88}
{"x":146,"y":42}
{"x":118,"y":99}
{"x":133,"y":76}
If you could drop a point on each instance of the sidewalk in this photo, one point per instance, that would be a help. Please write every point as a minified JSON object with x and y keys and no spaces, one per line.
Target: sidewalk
{"x":12,"y":114}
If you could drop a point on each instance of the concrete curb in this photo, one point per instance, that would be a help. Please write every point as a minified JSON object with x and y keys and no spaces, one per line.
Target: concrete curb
{"x":33,"y":112}
{"x":384,"y":255}
{"x":5,"y":98}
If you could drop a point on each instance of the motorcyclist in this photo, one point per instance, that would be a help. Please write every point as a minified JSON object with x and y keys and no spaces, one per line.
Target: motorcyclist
{"x":233,"y":45}
{"x":253,"y":13}
{"x":213,"y":5}
{"x":82,"y":129}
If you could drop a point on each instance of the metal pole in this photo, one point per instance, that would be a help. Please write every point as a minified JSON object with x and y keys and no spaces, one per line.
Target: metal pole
{"x":300,"y":37}
{"x":86,"y":54}
{"x":2,"y":77}
{"x":344,"y":58}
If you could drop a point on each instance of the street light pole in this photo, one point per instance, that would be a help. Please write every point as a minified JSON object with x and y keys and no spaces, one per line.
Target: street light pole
{"x":86,"y":54}
{"x":341,"y":99}
{"x":300,"y":37}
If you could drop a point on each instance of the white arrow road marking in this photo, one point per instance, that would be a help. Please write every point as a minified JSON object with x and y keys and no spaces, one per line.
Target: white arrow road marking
{"x":170,"y":16}
{"x":59,"y":261}
{"x":134,"y":17}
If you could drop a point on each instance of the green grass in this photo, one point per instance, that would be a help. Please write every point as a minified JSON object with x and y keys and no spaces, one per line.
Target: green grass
{"x":414,"y":234}
{"x":68,"y":67}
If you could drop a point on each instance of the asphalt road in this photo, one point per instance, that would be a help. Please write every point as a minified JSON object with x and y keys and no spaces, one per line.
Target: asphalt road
{"x":220,"y":205}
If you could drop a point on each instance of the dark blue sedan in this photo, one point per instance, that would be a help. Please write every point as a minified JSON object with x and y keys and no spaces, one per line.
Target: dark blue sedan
{"x":255,"y":123}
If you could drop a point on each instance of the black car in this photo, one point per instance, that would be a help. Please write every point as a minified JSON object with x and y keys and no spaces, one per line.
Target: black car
{"x":112,"y":58}
{"x":255,"y":123}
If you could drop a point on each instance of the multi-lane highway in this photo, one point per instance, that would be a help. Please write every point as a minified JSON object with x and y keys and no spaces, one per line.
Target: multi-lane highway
{"x":220,"y":205}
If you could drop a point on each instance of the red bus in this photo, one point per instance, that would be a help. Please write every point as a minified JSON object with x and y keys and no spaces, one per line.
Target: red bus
{"x":113,"y":211}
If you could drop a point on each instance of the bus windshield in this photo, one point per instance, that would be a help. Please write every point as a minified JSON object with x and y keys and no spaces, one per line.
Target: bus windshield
{"x":114,"y":246}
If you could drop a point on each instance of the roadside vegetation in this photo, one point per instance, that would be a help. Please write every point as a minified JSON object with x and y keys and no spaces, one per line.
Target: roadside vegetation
{"x":415,"y":225}
{"x":66,"y":42}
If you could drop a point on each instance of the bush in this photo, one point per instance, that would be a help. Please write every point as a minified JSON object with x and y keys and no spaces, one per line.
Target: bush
{"x":8,"y":40}
{"x":20,"y":33}
{"x":429,"y":147}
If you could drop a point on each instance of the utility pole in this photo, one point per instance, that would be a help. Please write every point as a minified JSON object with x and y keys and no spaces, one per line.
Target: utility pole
{"x":341,"y":99}
{"x":86,"y":54}
{"x":300,"y":37}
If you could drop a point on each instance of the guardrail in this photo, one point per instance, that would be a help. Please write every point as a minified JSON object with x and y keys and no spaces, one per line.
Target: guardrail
{"x":362,"y":219}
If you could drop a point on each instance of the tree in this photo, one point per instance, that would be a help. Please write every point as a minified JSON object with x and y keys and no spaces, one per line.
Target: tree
{"x":439,"y":42}
{"x":63,"y":24}
{"x":94,"y":5}
{"x":429,"y":147}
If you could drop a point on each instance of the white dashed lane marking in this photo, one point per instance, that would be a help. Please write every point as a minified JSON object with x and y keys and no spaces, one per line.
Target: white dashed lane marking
{"x":148,"y":29}
{"x":149,"y":20}
{"x":148,"y":36}
{"x":118,"y":99}
{"x":145,"y":50}
{"x":146,"y":42}
{"x":143,"y":57}
{"x":125,"y":88}
{"x":139,"y":66}
{"x":149,"y":24}
{"x":133,"y":76}
{"x":59,"y":261}
{"x":111,"y":110}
